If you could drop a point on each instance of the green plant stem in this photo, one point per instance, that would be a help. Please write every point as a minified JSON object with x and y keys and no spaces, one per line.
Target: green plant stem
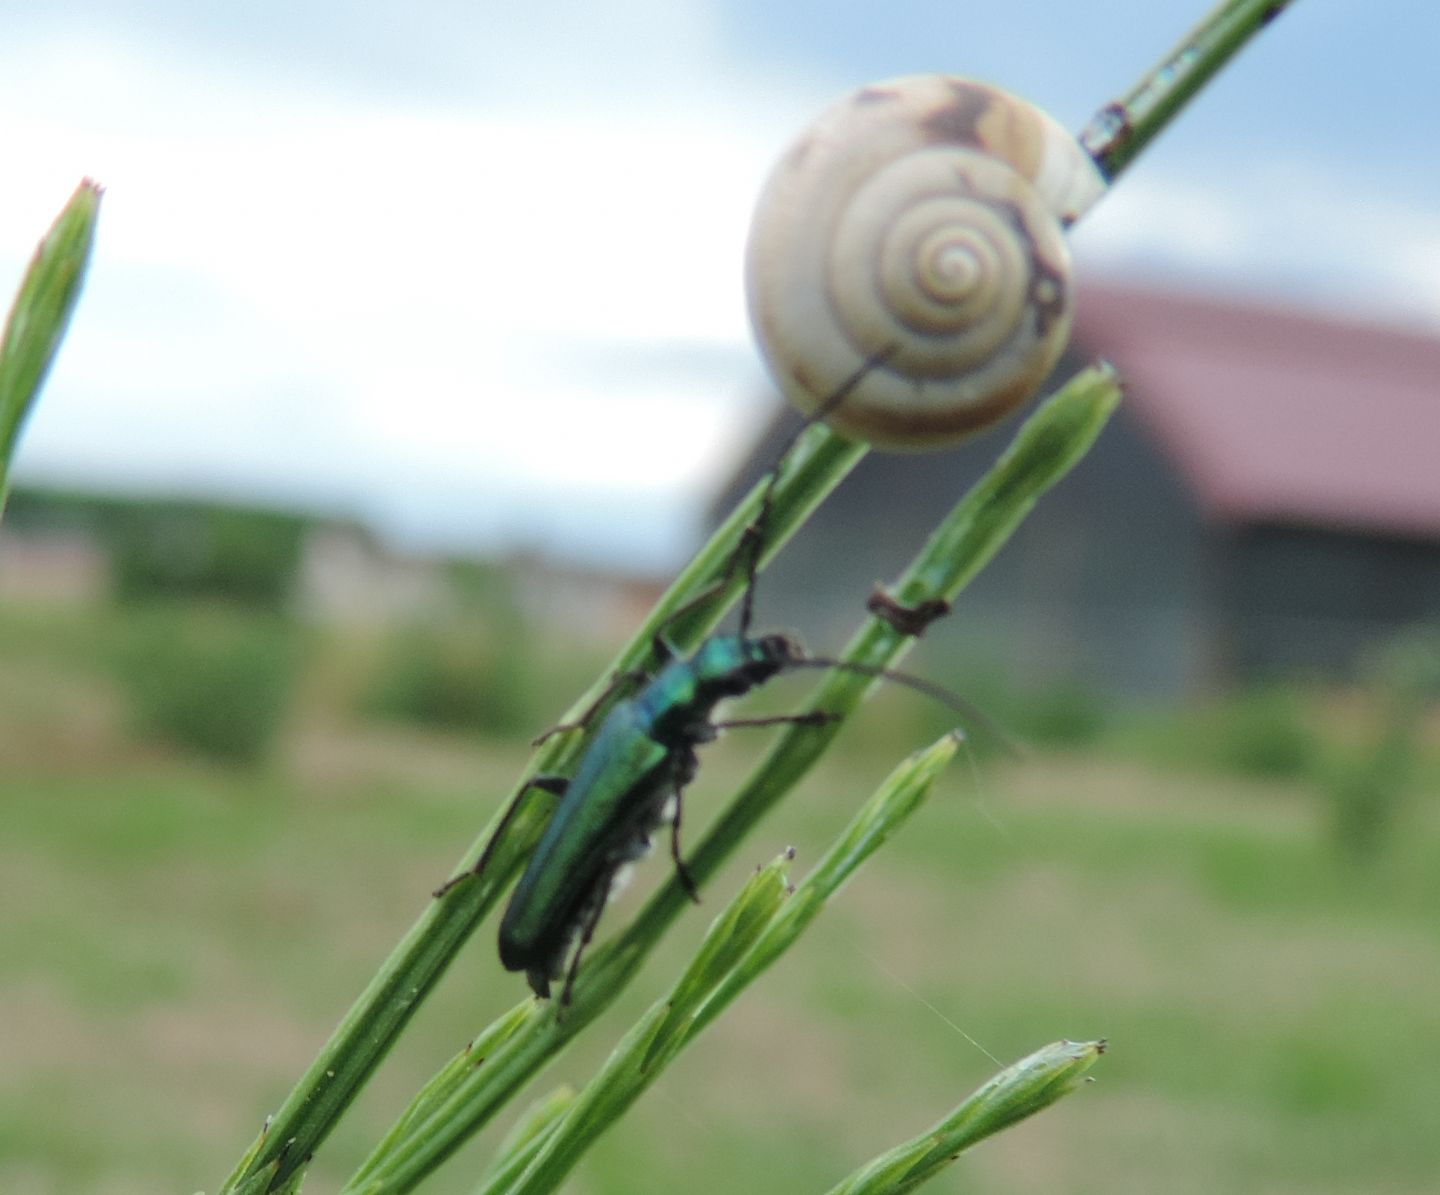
{"x":643,"y":1053}
{"x":1046,"y":447}
{"x":1020,"y":1090}
{"x":1050,"y":442}
{"x":310,"y":1111}
{"x":892,"y":805}
{"x":820,"y":460}
{"x":725,"y":964}
{"x":738,"y":949}
{"x":41,"y":312}
{"x":1122,"y":129}
{"x":526,"y":1139}
{"x":429,"y":1130}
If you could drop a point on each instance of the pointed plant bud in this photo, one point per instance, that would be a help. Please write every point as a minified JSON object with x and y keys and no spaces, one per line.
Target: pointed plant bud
{"x":41,"y":311}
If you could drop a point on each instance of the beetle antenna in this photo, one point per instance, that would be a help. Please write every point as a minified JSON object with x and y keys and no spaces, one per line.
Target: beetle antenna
{"x":754,"y":535}
{"x":968,"y":710}
{"x":752,"y":538}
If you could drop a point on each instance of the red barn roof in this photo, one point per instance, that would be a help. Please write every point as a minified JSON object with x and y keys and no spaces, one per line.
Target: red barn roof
{"x":1275,"y":415}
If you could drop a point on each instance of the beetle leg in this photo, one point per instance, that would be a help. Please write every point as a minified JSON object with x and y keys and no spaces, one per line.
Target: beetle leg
{"x":617,"y":680}
{"x":747,"y":548}
{"x":555,"y":785}
{"x":687,"y":881}
{"x":754,"y":535}
{"x":750,"y":544}
{"x":587,"y":931}
{"x":813,"y":718}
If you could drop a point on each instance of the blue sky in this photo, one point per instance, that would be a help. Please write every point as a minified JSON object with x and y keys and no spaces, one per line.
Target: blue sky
{"x":371,"y":258}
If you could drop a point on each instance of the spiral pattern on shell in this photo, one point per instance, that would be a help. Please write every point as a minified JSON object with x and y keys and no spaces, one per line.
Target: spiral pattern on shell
{"x":919,"y":224}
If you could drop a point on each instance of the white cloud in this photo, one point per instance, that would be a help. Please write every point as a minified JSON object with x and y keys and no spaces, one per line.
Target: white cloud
{"x":1298,"y":232}
{"x":388,"y":294}
{"x":1193,"y":226}
{"x":375,"y":294}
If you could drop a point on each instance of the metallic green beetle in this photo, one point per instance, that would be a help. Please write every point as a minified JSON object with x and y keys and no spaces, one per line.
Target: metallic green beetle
{"x":628,"y":782}
{"x":632,"y":774}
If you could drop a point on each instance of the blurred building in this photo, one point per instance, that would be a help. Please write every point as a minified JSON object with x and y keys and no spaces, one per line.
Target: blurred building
{"x":52,"y":568}
{"x":83,"y":549}
{"x":346,"y":575}
{"x":1267,"y":501}
{"x":595,"y":605}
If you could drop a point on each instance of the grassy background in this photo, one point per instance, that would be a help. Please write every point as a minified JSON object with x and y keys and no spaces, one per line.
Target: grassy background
{"x":178,"y":939}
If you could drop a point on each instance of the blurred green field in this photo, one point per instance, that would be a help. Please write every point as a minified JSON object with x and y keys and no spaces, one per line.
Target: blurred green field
{"x":179,"y":939}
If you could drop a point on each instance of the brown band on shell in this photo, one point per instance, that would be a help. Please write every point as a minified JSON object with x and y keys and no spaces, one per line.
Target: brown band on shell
{"x":958,"y":122}
{"x":875,"y":95}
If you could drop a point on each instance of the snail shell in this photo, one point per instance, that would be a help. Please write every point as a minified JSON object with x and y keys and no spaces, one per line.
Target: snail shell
{"x":919,"y":224}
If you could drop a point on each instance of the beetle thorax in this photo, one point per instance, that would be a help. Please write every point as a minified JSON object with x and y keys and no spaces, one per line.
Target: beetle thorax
{"x":684,"y":694}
